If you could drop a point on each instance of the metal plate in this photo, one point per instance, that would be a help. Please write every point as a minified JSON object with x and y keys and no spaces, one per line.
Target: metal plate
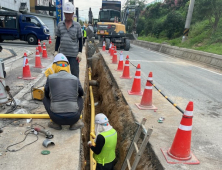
{"x":117,"y":40}
{"x":102,"y":32}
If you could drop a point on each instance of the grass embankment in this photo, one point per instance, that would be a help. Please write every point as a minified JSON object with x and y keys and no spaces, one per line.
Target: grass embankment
{"x":200,"y":38}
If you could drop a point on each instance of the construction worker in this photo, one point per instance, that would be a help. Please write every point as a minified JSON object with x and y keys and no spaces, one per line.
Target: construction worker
{"x":106,"y":140}
{"x":63,"y":96}
{"x":69,"y":39}
{"x":84,"y":35}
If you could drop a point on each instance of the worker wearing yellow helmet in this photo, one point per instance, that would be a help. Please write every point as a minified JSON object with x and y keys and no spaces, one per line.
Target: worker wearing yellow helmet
{"x":63,"y":96}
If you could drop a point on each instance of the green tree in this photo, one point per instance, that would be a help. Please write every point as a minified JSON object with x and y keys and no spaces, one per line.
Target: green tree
{"x":140,"y":25}
{"x":174,"y":23}
{"x":129,"y":26}
{"x":209,"y":9}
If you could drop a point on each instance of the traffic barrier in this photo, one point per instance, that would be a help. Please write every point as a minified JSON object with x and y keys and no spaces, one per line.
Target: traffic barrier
{"x":126,"y":69}
{"x":38,"y":63}
{"x":120,"y":64}
{"x":39,"y":46}
{"x":114,"y":59}
{"x":26,"y":70}
{"x":50,"y":41}
{"x":44,"y":52}
{"x":136,"y":87}
{"x":180,"y":149}
{"x":104,"y":46}
{"x":146,"y":102}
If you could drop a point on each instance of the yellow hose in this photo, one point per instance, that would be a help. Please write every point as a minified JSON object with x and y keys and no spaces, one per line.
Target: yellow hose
{"x":92,"y":127}
{"x":25,"y":116}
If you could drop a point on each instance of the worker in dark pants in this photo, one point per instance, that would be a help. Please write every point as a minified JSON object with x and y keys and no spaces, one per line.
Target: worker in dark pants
{"x":63,"y":96}
{"x":106,"y":140}
{"x":69,"y":39}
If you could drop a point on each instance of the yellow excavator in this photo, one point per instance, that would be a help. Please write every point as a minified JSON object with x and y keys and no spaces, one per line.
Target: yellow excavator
{"x":109,"y":26}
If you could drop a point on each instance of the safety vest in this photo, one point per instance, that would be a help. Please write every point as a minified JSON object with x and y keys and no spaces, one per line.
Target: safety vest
{"x":84,"y":33}
{"x":107,"y":154}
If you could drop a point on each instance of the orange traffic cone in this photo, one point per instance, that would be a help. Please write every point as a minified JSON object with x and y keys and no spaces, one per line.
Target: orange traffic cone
{"x":126,"y":69}
{"x":38,"y":63}
{"x":180,"y":149}
{"x":50,"y":41}
{"x":26,"y":70}
{"x":120,"y":64}
{"x":110,"y":47}
{"x":39,"y":46}
{"x":44,"y":52}
{"x":114,"y":59}
{"x":136,"y":87}
{"x":112,"y":51}
{"x":104,"y":46}
{"x":146,"y":102}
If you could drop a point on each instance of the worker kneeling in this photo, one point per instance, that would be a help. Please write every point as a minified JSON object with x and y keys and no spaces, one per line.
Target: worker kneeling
{"x":63,"y":96}
{"x":106,"y":139}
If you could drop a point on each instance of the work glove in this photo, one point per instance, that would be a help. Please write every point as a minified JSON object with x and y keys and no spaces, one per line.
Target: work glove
{"x":79,"y":57}
{"x":55,"y":53}
{"x":90,"y":143}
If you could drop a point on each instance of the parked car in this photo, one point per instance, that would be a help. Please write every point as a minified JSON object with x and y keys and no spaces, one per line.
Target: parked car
{"x":25,"y":27}
{"x":2,"y":63}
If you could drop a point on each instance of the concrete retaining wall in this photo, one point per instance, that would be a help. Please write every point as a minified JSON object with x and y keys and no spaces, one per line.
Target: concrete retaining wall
{"x":210,"y":59}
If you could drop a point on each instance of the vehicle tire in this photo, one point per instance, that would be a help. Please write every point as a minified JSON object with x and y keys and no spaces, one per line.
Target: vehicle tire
{"x":107,"y":40}
{"x":32,"y":40}
{"x":127,"y":45}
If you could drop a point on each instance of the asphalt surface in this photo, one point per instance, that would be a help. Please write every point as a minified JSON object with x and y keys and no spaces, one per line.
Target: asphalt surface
{"x":183,"y":81}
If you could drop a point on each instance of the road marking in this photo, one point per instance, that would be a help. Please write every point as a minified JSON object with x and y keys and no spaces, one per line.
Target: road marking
{"x":176,"y":58}
{"x":206,"y":70}
{"x":158,"y":61}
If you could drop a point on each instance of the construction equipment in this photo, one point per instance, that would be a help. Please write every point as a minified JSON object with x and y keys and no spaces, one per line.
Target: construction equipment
{"x":131,"y":7}
{"x":47,"y":133}
{"x":37,"y":93}
{"x":139,"y":151}
{"x":109,"y":27}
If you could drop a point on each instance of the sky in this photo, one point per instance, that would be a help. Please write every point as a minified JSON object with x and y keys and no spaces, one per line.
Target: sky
{"x":95,"y":5}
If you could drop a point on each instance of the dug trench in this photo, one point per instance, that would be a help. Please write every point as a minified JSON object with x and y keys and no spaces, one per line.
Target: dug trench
{"x":110,"y":101}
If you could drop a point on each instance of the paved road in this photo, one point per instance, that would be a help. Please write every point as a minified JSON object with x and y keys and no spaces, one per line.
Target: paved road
{"x":182,"y":82}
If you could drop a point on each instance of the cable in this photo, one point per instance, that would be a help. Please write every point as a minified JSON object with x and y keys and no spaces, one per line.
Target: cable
{"x":26,"y":134}
{"x":174,"y":104}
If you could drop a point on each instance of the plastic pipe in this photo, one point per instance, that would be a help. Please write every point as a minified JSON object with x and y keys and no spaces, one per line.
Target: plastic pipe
{"x":92,"y":126}
{"x":25,"y":116}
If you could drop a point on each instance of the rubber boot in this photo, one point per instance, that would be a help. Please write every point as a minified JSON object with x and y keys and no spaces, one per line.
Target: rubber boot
{"x":54,"y":126}
{"x":77,"y":125}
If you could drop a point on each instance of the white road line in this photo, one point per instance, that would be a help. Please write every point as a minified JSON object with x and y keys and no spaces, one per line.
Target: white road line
{"x":158,"y":61}
{"x":176,"y":58}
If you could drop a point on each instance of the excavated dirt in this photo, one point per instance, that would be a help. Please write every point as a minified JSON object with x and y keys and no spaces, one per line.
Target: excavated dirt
{"x":110,"y":101}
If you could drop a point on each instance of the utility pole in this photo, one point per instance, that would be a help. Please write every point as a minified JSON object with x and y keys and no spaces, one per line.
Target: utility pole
{"x":188,"y":20}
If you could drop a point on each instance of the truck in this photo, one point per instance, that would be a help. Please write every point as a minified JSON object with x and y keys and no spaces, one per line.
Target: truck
{"x":25,"y":27}
{"x":109,"y":26}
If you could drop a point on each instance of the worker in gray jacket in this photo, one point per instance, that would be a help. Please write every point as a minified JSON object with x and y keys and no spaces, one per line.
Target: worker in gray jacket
{"x":69,"y":39}
{"x":63,"y":96}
